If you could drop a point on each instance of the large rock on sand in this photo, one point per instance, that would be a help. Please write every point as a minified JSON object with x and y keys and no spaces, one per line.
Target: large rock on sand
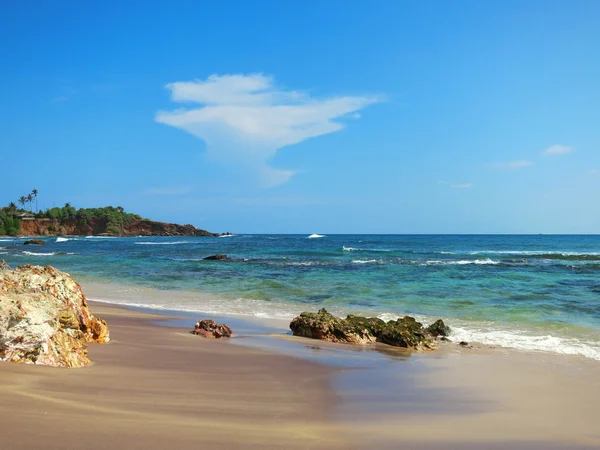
{"x":405,"y":332}
{"x":209,"y":329}
{"x":44,"y":318}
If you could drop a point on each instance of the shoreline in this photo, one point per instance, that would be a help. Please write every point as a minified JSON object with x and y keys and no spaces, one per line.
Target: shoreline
{"x":145,"y":297}
{"x":156,"y":385}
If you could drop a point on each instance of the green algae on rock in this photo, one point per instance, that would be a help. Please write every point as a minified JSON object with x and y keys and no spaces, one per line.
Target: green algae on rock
{"x":405,"y":332}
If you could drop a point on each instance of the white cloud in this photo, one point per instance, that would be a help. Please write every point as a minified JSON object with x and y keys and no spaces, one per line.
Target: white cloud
{"x":167,"y":191}
{"x":462,"y":186}
{"x":520,"y":164}
{"x":245,"y":119}
{"x":557,"y":149}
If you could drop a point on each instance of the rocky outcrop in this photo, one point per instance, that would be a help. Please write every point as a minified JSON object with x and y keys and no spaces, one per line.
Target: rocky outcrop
{"x":209,"y":329}
{"x":438,"y":328}
{"x":96,"y":227}
{"x":34,"y":242}
{"x":405,"y":332}
{"x":44,"y":318}
{"x":217,"y":257}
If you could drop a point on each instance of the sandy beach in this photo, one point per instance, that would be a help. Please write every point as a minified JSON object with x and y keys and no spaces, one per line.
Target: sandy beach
{"x":157,"y":386}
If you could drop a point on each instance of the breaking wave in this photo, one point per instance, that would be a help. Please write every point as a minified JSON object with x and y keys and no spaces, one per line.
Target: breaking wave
{"x":461,"y":262}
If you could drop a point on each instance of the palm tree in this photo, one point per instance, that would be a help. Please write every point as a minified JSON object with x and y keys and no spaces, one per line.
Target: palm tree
{"x":30,"y":199}
{"x":35,"y":193}
{"x":12,"y":207}
{"x":22,"y":200}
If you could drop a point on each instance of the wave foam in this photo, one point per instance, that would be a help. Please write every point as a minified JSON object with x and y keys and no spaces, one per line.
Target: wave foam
{"x":363,"y":261}
{"x":523,"y":341}
{"x":314,"y":236}
{"x":516,"y":339}
{"x":533,"y":253}
{"x":355,"y":249}
{"x":461,"y":262}
{"x":62,"y":239}
{"x":39,"y":254}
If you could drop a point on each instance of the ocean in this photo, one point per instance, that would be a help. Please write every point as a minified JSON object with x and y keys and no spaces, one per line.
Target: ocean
{"x":529,"y":292}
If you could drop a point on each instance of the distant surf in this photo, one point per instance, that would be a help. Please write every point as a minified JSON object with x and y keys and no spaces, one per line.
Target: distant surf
{"x":314,"y":236}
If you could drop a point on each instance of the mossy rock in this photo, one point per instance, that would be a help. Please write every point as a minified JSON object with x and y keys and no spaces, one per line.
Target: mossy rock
{"x":406,"y":332}
{"x":439,"y":328}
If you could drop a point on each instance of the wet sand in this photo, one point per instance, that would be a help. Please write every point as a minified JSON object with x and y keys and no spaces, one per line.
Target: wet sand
{"x":157,"y":386}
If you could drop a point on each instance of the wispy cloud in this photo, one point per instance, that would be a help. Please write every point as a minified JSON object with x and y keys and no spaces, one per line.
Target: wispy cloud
{"x":245,"y":119}
{"x":519,"y":164}
{"x":557,"y":150}
{"x":167,"y":191}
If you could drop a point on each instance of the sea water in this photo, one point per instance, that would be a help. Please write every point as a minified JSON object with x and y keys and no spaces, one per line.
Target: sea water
{"x":534,"y":292}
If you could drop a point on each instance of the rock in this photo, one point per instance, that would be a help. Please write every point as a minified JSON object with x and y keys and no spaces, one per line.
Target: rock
{"x":217,"y":257}
{"x":34,"y":242}
{"x":4,"y":265}
{"x":405,"y":332}
{"x":463,"y":344}
{"x":438,"y":328}
{"x":209,"y":329}
{"x":44,"y":318}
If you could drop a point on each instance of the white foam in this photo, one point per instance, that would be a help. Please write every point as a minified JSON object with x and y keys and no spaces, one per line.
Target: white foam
{"x":227,"y":235}
{"x":491,"y":334}
{"x":39,"y":254}
{"x":364,"y":261}
{"x":162,"y":243}
{"x":461,"y":262}
{"x":314,"y":236}
{"x":523,"y":340}
{"x":62,"y":239}
{"x":354,"y":249}
{"x":533,"y":252}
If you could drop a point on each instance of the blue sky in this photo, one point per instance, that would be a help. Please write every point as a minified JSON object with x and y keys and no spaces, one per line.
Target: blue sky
{"x":304,"y":117}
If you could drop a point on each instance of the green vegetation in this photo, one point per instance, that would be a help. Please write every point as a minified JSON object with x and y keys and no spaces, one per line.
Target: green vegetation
{"x":9,"y":224}
{"x":115,"y":218}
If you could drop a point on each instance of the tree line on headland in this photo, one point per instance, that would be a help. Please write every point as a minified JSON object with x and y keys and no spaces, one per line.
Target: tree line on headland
{"x":11,"y":215}
{"x":68,"y":220}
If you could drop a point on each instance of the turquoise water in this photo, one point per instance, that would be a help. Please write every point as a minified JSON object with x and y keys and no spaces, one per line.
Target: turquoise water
{"x":529,"y":292}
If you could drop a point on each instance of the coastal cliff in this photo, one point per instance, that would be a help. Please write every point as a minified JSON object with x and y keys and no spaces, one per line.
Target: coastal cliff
{"x":95,"y":227}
